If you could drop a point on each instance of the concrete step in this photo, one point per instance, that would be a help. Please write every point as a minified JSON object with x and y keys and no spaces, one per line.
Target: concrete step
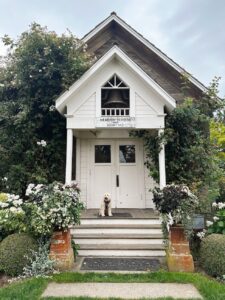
{"x":115,"y":231}
{"x":118,"y":235}
{"x":116,"y":241}
{"x":83,"y":226}
{"x":120,"y":222}
{"x":121,"y":247}
{"x":122,"y":253}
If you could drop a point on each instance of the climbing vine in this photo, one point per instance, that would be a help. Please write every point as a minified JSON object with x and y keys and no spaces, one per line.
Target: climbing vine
{"x":190,"y":154}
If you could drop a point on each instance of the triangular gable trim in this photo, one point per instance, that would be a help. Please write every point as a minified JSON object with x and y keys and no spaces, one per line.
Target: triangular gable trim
{"x":152,"y":108}
{"x":115,"y":51}
{"x":151,"y":46}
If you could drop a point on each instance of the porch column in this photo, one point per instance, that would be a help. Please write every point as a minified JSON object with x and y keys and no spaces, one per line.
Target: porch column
{"x":78,"y":160}
{"x":69,"y":155}
{"x":162,"y":165}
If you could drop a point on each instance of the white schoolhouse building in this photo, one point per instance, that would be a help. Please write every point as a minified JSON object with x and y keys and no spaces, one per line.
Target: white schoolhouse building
{"x":131,"y":86}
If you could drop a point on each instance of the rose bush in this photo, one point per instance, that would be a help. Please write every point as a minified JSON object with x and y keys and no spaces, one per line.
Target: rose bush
{"x":52,"y":207}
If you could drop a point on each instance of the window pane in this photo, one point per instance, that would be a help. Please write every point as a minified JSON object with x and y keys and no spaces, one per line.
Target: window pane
{"x":102,"y":154}
{"x":127,"y":154}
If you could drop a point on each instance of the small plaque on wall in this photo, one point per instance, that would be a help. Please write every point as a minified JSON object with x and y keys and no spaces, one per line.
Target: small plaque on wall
{"x":115,"y":122}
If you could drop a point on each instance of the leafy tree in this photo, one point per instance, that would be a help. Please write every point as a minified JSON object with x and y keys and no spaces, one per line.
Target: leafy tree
{"x":217,"y":134}
{"x":190,"y":154}
{"x":39,"y":66}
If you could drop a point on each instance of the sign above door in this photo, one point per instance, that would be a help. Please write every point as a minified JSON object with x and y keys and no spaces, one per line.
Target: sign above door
{"x":112,"y":122}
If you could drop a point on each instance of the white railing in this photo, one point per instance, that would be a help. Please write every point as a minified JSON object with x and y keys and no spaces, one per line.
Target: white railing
{"x":118,"y":112}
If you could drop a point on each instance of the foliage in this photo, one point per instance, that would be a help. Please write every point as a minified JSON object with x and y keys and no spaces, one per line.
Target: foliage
{"x":191,"y":156}
{"x":40,"y":265}
{"x":75,"y":247}
{"x":12,"y":215}
{"x":218,"y":224}
{"x":15,"y":251}
{"x":212,"y":254}
{"x":217,"y":135}
{"x":176,"y":204}
{"x":39,"y":66}
{"x":52,"y":207}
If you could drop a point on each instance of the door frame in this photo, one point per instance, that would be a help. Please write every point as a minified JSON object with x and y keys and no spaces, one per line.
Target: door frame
{"x":115,"y":166}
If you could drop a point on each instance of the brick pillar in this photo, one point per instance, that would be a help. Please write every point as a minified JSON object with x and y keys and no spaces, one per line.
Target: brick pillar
{"x":61,"y":250}
{"x":179,"y":258}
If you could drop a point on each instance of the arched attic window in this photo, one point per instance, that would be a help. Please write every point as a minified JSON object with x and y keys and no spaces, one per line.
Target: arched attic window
{"x":115,"y":98}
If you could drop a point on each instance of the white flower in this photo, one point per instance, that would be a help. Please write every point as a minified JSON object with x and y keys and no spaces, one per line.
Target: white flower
{"x":40,"y":70}
{"x":38,"y":187}
{"x":201,"y":234}
{"x":19,"y":210}
{"x":13,"y":209}
{"x":4,"y":204}
{"x":221,"y":205}
{"x":31,"y":76}
{"x":214,"y":204}
{"x":29,"y":189}
{"x":208,"y":223}
{"x":52,"y":108}
{"x":5,"y":178}
{"x":42,"y":143}
{"x":2,"y":85}
{"x":215,"y":218}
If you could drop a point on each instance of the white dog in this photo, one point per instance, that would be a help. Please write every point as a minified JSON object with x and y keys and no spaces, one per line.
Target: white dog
{"x":106,"y":206}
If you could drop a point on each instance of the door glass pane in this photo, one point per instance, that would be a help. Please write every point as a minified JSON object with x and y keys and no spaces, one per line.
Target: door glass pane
{"x":127,"y":153}
{"x":102,"y":154}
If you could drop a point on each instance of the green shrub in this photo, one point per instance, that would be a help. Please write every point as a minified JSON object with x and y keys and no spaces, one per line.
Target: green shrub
{"x":15,"y":251}
{"x":212,"y":254}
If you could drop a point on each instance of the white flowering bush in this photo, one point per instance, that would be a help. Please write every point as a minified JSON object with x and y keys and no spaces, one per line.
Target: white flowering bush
{"x":12,"y":214}
{"x":218,"y":223}
{"x":177,"y":205}
{"x":52,"y":207}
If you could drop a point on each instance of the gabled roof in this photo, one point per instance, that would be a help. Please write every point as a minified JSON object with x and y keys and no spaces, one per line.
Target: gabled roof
{"x":114,"y":18}
{"x":115,"y":51}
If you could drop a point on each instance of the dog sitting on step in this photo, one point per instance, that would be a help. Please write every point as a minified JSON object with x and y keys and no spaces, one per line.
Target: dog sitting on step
{"x":106,"y":206}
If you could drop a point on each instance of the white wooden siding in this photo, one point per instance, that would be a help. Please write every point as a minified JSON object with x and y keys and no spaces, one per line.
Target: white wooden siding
{"x":87,"y":109}
{"x":143,"y":108}
{"x":85,"y":105}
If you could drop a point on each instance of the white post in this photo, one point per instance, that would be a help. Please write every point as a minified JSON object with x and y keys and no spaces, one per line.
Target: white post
{"x":69,"y":155}
{"x":162,"y":164}
{"x":78,"y":160}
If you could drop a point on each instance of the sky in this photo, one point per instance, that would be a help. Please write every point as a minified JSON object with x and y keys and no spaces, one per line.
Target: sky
{"x":191,"y":32}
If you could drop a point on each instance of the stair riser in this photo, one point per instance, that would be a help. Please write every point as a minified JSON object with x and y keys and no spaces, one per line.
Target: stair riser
{"x":121,"y":247}
{"x":122,"y":253}
{"x":117,"y":236}
{"x":131,"y":222}
{"x":92,"y":241}
{"x":120,"y":231}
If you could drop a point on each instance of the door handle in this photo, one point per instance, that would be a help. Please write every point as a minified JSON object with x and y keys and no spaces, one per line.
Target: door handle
{"x":117,"y":181}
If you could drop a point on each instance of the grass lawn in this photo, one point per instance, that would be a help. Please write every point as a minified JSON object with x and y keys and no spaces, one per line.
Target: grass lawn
{"x":32,"y":289}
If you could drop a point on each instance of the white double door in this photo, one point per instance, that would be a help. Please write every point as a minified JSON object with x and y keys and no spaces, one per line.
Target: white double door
{"x":116,"y":167}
